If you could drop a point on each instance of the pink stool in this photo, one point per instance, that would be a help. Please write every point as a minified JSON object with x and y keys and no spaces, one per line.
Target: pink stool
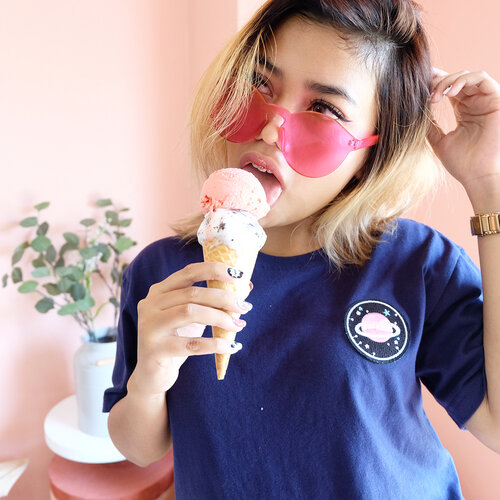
{"x":113,"y":481}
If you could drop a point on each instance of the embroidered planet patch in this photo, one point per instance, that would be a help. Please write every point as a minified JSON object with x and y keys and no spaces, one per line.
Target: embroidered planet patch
{"x":377,"y":331}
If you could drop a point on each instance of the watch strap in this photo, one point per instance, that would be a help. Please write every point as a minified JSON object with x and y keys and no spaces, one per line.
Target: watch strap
{"x":484,"y":224}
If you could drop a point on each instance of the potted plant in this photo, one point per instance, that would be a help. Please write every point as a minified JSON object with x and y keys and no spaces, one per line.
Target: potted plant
{"x":70,"y":278}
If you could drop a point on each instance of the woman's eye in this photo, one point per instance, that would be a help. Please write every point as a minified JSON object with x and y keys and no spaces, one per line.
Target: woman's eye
{"x":327,"y":108}
{"x":259,"y":81}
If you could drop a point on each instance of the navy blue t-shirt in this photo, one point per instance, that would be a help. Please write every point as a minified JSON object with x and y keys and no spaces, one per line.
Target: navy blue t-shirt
{"x":324,"y":400}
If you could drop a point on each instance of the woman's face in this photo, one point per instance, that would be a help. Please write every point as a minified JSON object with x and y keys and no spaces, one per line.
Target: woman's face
{"x":307,"y":54}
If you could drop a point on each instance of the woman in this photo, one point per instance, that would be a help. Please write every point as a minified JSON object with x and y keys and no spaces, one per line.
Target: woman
{"x":352,"y":307}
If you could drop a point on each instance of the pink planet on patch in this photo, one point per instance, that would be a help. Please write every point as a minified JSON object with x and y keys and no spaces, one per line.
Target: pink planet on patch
{"x":377,"y":327}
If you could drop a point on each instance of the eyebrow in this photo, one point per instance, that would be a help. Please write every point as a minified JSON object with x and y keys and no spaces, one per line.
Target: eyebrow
{"x":311,"y":85}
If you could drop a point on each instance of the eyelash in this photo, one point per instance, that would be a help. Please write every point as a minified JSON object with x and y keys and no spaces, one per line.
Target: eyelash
{"x":333,"y":109}
{"x":259,"y":79}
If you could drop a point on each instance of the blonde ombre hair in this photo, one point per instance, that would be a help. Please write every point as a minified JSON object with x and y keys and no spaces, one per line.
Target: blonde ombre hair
{"x":399,"y":170}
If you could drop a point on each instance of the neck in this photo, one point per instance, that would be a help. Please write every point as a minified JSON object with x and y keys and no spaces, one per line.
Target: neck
{"x":288,"y":241}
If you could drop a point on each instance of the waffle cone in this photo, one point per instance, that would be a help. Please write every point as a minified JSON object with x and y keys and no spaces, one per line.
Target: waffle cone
{"x":243,"y":260}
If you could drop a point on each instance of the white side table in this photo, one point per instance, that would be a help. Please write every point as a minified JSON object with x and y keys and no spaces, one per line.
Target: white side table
{"x":64,"y":438}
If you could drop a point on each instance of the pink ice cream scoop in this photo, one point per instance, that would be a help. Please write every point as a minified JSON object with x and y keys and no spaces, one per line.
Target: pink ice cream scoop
{"x":236,"y":189}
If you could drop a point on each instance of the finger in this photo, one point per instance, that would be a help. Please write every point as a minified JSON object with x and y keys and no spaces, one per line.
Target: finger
{"x":181,"y":346}
{"x":212,"y":297}
{"x":437,"y":75}
{"x":473,"y":83}
{"x":192,"y":330}
{"x":183,"y":315}
{"x":444,"y":86}
{"x":199,"y":271}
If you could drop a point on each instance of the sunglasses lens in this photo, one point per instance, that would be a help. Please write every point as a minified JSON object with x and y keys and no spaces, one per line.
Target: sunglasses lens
{"x":314,"y":146}
{"x":250,"y":124}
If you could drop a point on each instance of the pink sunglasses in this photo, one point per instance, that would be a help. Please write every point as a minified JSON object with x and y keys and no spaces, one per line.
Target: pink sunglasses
{"x":313,"y":144}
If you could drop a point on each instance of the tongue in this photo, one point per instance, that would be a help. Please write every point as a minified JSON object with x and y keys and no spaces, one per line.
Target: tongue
{"x":271,"y":185}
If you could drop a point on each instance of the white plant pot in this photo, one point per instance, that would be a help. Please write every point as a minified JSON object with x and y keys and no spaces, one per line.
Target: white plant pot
{"x":93,"y":367}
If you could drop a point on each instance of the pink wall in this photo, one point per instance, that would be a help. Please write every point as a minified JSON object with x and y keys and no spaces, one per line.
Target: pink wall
{"x":94,"y":99}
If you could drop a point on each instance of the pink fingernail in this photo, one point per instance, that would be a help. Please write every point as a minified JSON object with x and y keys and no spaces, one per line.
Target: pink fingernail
{"x":240,"y":323}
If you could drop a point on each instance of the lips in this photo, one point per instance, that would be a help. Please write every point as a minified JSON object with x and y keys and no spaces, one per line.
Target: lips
{"x":266,"y":173}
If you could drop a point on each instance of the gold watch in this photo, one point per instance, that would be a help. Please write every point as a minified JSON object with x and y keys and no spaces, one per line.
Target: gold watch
{"x":484,"y":224}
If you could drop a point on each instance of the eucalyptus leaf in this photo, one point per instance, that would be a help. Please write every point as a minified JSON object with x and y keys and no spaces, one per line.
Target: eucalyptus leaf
{"x":40,"y":272}
{"x":28,"y":287}
{"x":44,"y":305}
{"x":19,"y":252}
{"x":76,"y":273}
{"x":42,"y":206}
{"x":114,"y":302}
{"x":89,"y":252}
{"x":5,"y":279}
{"x":60,"y":262}
{"x":125,"y":222}
{"x":105,"y":202}
{"x":64,"y":284}
{"x":104,"y":251}
{"x":72,"y":272}
{"x":39,"y":262}
{"x":123,"y":243}
{"x":61,"y":270}
{"x":42,"y":229}
{"x":85,"y":304}
{"x":17,"y":275}
{"x":112,"y":218}
{"x":77,"y":291}
{"x":29,"y":222}
{"x":72,"y":239}
{"x":66,"y":247}
{"x":68,"y":309}
{"x":87,"y":222}
{"x":40,"y":243}
{"x":52,"y":289}
{"x":51,"y":254}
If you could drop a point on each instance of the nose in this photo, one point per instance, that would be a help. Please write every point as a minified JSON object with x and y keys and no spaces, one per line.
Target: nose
{"x":270,"y":132}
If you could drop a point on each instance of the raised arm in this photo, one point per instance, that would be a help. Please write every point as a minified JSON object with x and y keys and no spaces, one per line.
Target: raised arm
{"x":471,"y":153}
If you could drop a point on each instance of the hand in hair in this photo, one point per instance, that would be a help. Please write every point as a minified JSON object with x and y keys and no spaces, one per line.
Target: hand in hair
{"x":471,"y":152}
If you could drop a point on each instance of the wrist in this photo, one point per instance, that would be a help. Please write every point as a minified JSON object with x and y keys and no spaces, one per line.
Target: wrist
{"x":136,"y":391}
{"x":484,"y":194}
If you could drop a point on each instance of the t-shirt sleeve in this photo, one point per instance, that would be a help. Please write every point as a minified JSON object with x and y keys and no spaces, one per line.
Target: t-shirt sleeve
{"x":450,"y":362}
{"x":126,"y":345}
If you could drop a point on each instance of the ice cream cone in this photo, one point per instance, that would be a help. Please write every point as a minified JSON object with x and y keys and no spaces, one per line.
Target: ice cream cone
{"x":243,"y":260}
{"x":233,"y":200}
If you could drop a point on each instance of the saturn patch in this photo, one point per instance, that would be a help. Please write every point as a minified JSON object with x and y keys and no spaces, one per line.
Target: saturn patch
{"x":377,"y":331}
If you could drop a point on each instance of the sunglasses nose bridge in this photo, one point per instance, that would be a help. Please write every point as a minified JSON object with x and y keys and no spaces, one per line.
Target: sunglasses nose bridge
{"x":271,"y":130}
{"x":273,"y":111}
